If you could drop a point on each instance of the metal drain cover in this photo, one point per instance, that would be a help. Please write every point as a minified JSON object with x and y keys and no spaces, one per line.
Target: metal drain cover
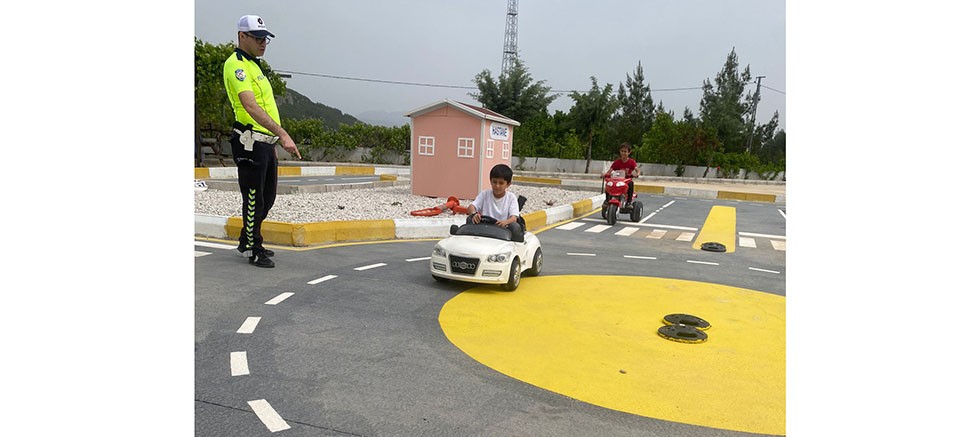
{"x":713,"y":247}
{"x":682,"y":334}
{"x":686,"y":319}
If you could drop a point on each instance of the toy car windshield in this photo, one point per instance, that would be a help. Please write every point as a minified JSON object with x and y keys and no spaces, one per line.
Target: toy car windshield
{"x":485,"y":230}
{"x":618,"y":174}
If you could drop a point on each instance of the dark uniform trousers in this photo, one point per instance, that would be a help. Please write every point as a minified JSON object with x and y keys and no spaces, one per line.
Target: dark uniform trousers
{"x":258,"y":176}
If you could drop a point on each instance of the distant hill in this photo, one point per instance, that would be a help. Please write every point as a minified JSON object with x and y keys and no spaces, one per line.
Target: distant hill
{"x":292,"y":104}
{"x":383,"y":118}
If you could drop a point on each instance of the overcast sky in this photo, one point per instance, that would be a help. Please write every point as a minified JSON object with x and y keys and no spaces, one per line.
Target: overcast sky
{"x":680,"y":44}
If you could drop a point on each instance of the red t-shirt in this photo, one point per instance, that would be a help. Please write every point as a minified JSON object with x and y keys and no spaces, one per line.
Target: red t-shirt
{"x":629,"y":166}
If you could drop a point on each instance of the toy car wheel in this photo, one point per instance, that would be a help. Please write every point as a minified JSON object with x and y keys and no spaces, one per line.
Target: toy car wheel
{"x":515,"y":276}
{"x":439,"y":278}
{"x":611,"y":215}
{"x":536,"y":263}
{"x":636,"y":212}
{"x":605,"y":211}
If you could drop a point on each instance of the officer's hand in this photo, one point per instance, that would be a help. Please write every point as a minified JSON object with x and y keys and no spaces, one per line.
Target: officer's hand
{"x":290,"y":146}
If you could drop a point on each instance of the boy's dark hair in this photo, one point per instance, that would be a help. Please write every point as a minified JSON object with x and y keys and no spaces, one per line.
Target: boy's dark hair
{"x":626,"y":145}
{"x":501,"y":171}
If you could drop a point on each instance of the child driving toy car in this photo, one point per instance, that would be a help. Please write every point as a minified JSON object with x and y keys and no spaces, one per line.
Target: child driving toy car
{"x":497,"y":202}
{"x":628,"y":165}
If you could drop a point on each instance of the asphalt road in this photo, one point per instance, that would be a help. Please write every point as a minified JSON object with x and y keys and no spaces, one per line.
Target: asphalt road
{"x":346,"y":340}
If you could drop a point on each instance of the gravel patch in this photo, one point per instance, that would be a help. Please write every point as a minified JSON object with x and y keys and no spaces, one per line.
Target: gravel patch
{"x":367,"y":204}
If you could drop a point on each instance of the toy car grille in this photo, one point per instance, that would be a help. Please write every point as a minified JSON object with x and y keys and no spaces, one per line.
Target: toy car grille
{"x":463,"y":265}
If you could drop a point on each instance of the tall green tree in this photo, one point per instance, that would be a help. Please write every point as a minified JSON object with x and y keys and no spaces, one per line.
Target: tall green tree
{"x":591,"y":113}
{"x":725,"y":106}
{"x":514,"y":94}
{"x":636,"y":110}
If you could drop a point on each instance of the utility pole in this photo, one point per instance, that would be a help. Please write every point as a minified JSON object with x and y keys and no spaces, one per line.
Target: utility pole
{"x":755,"y":105}
{"x":510,"y":38}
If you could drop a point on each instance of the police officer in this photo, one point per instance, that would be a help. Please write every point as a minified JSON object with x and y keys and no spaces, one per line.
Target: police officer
{"x":257,"y":129}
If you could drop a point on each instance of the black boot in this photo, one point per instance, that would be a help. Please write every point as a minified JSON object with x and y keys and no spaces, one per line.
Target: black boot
{"x":261,"y":260}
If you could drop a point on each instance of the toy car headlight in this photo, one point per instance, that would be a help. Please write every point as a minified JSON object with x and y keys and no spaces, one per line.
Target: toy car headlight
{"x":609,"y":184}
{"x":620,"y":184}
{"x":439,"y":251}
{"x":498,"y":257}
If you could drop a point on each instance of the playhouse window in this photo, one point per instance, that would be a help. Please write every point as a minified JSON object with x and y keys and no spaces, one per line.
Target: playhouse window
{"x":489,"y":148}
{"x":505,"y":150}
{"x":427,"y":146}
{"x":464,"y":148}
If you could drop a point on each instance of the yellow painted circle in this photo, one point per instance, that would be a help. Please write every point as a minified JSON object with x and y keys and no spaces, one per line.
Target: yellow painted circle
{"x":594,"y":338}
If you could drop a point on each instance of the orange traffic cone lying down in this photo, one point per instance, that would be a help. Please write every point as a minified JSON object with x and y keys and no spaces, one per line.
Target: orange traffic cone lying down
{"x":452,"y":204}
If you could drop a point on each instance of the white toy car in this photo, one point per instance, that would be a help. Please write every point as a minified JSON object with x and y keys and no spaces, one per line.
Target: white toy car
{"x":485,"y":253}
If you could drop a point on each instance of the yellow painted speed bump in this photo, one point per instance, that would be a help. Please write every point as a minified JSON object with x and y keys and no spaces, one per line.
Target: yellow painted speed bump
{"x":719,"y":227}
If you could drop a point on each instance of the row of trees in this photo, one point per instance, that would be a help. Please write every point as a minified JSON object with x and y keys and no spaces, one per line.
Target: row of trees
{"x":723,"y":135}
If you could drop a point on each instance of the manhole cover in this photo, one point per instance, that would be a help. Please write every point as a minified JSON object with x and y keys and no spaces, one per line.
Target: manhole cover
{"x":686,"y":319}
{"x":682,"y":333}
{"x":713,"y":247}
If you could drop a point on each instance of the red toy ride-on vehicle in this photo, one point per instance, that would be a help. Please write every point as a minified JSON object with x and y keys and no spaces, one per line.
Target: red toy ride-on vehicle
{"x":616,"y":186}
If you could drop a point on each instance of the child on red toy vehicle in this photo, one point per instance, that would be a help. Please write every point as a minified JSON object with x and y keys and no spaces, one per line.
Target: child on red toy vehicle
{"x":628,"y":166}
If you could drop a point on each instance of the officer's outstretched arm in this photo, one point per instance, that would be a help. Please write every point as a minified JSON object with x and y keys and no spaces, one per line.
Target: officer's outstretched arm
{"x":261,"y":117}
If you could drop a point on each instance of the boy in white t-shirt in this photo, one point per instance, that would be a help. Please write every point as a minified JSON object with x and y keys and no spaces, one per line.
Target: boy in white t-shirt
{"x":498,"y":204}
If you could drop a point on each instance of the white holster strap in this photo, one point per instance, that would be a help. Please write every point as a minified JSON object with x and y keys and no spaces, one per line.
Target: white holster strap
{"x":260,"y":137}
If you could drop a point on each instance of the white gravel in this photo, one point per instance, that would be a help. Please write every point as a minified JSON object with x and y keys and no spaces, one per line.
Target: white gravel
{"x":367,"y":204}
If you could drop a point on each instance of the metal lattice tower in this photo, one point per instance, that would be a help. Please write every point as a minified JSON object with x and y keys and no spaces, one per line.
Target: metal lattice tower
{"x":510,"y":38}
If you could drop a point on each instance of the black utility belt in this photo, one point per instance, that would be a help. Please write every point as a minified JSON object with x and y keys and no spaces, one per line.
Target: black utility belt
{"x":248,"y":137}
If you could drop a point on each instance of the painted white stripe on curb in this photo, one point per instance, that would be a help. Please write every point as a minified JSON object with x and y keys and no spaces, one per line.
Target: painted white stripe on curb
{"x":370,"y":267}
{"x":279,"y":298}
{"x":249,"y":325}
{"x":763,"y":270}
{"x":215,"y":245}
{"x":269,"y":417}
{"x":239,"y":363}
{"x":325,"y":278}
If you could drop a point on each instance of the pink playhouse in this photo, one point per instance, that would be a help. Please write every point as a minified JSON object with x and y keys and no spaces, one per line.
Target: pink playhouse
{"x":454,"y":145}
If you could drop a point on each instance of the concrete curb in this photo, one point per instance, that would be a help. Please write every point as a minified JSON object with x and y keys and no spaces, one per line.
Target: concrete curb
{"x":311,"y":234}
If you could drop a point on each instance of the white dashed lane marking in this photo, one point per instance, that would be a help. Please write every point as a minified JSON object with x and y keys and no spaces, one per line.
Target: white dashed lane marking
{"x":268,"y":415}
{"x":239,"y":363}
{"x":319,"y":280}
{"x":763,"y":270}
{"x":249,"y":325}
{"x":639,"y":257}
{"x":418,"y":259}
{"x":579,"y":254}
{"x":360,"y":269}
{"x":702,"y":262}
{"x":279,"y":298}
{"x":198,"y":253}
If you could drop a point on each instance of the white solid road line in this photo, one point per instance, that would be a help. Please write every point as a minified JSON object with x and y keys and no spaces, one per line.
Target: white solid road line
{"x":279,"y":298}
{"x":751,"y":234}
{"x":268,"y":415}
{"x":325,"y":278}
{"x":248,"y":326}
{"x":239,"y":363}
{"x":370,"y":266}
